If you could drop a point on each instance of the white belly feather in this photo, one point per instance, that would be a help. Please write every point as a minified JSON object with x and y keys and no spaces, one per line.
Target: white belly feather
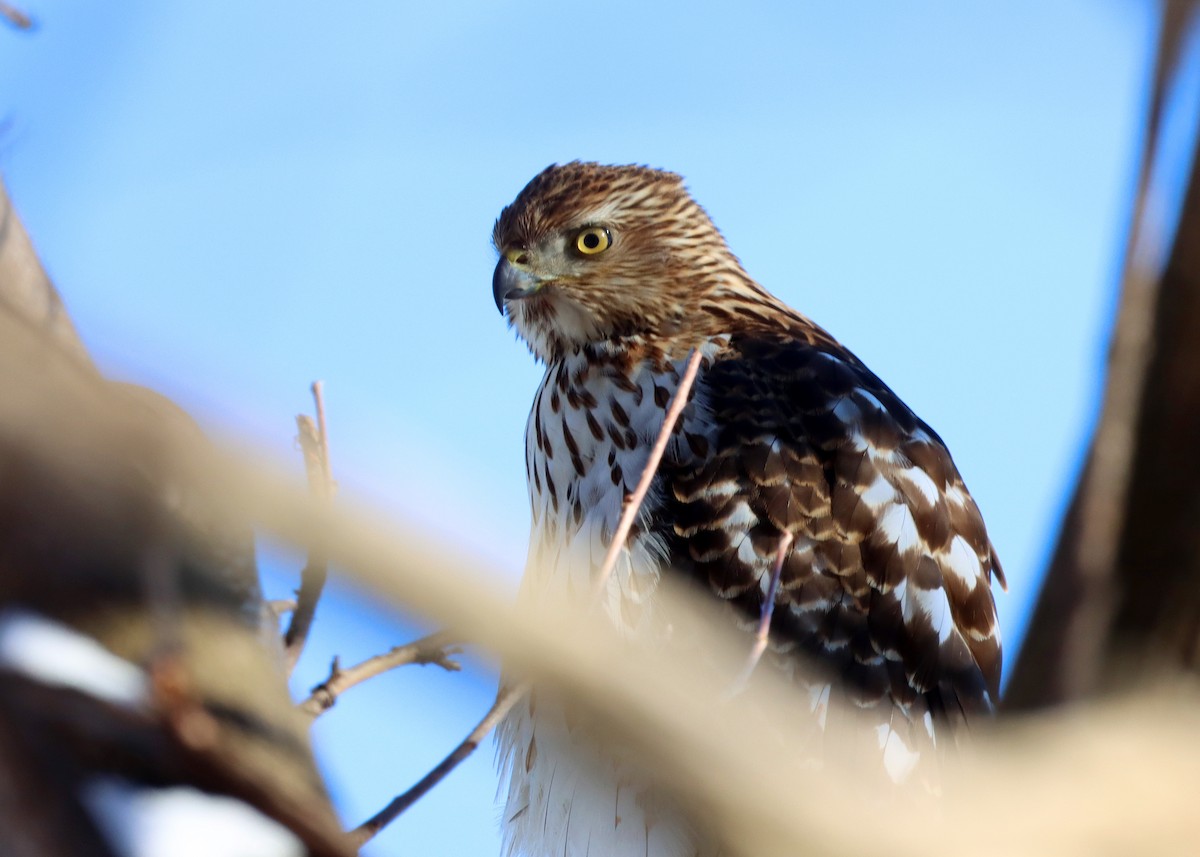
{"x":566,"y":797}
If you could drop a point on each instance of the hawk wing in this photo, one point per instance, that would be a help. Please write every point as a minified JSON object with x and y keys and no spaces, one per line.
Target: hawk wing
{"x":888,"y":581}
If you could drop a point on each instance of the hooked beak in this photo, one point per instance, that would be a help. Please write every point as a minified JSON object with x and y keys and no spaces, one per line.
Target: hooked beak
{"x":510,"y":283}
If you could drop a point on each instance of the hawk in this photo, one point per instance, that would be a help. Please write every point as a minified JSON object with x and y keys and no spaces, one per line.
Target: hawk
{"x":613,"y":275}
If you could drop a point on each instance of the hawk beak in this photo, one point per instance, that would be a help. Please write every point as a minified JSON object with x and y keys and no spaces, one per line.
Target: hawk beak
{"x":510,"y":283}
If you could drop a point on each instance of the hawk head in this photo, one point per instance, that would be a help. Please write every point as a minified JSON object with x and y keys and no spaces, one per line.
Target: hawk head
{"x":589,"y":252}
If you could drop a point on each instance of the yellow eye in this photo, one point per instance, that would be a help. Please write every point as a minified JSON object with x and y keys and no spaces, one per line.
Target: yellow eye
{"x":593,"y":240}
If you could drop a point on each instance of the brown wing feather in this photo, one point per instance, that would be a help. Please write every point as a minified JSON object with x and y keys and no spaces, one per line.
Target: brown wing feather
{"x":888,"y":580}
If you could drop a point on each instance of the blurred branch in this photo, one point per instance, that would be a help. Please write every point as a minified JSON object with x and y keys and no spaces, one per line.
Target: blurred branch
{"x":1043,"y":776}
{"x":314,"y":445}
{"x":25,"y":289}
{"x":1123,"y":588}
{"x":198,"y":754}
{"x":433,"y":649}
{"x":17,"y":17}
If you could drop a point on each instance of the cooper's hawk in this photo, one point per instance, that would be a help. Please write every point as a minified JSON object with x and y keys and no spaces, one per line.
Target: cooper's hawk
{"x":613,"y":275}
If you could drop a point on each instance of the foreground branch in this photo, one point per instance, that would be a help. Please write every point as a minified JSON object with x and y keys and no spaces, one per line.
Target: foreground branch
{"x":192,"y":743}
{"x":1044,"y":776}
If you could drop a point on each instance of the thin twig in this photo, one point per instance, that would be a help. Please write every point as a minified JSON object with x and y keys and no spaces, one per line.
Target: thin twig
{"x":503,"y":704}
{"x":508,"y":697}
{"x":433,"y":649}
{"x":318,"y":391}
{"x":763,"y":632}
{"x":314,"y":444}
{"x":633,"y":503}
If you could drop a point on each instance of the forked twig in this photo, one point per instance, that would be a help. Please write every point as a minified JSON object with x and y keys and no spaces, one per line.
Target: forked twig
{"x":633,"y":503}
{"x":314,"y":444}
{"x":509,"y":696}
{"x":433,"y":649}
{"x":503,"y":704}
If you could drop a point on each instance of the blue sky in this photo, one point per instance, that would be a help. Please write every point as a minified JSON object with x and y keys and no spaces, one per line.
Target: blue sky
{"x":238,"y":198}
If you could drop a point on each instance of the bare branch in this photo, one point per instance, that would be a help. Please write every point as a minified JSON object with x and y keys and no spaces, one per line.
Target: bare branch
{"x":509,"y":696}
{"x":634,"y":501}
{"x":314,"y":444}
{"x":434,"y":649}
{"x":504,"y":703}
{"x":318,"y":390}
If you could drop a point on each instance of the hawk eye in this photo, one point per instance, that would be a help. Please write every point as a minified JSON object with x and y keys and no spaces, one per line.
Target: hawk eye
{"x":593,"y":240}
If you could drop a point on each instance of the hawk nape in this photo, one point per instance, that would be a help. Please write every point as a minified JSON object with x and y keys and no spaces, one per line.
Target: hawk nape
{"x":613,"y":275}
